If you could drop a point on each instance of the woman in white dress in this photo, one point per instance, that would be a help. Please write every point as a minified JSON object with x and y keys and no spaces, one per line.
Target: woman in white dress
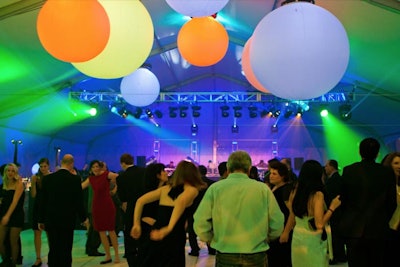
{"x":307,"y":206}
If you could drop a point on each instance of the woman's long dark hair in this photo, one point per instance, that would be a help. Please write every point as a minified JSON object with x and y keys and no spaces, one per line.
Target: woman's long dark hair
{"x":309,"y":182}
{"x":151,"y":181}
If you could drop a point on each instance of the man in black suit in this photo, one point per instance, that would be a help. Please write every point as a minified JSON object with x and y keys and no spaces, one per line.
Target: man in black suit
{"x":61,"y":205}
{"x":130,"y":185}
{"x":368,"y":195}
{"x":332,"y":186}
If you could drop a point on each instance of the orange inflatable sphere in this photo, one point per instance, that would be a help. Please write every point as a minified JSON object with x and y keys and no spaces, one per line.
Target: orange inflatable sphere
{"x":246,"y":67}
{"x":203,"y":41}
{"x":73,"y":31}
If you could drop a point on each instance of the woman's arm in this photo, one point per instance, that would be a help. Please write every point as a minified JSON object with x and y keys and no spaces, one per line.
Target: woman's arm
{"x":321,"y":216}
{"x":284,"y":238}
{"x":85,"y":183}
{"x":184,"y":200}
{"x":113,"y":177}
{"x":143,"y":200}
{"x":19,"y":189}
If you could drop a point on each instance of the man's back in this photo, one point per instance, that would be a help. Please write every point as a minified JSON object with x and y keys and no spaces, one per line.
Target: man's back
{"x":131,"y":186}
{"x":368,"y":199}
{"x":62,"y":199}
{"x":242,"y":210}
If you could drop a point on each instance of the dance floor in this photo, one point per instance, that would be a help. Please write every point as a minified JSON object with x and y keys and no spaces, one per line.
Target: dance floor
{"x":80,"y":259}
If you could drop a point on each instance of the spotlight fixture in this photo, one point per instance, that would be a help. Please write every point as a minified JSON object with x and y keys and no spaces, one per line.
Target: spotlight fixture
{"x":158,"y":114}
{"x":345,"y":112}
{"x":194,"y":129}
{"x":123,"y":112}
{"x":276,"y":113}
{"x":237,"y":112}
{"x":235,"y":128}
{"x":288,"y":112}
{"x":16,"y":142}
{"x":172,"y":112}
{"x":264,"y":113}
{"x":93,"y":111}
{"x":149,"y":114}
{"x":224,"y":110}
{"x":182,"y":111}
{"x":324,"y":112}
{"x":138,"y":113}
{"x":195,"y":111}
{"x":300,"y":112}
{"x":252,"y":112}
{"x":274,"y":128}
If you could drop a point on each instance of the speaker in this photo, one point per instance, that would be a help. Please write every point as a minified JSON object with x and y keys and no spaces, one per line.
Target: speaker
{"x":298,"y":162}
{"x":141,"y":161}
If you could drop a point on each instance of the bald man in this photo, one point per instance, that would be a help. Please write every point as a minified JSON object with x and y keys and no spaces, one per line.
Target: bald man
{"x":61,"y":205}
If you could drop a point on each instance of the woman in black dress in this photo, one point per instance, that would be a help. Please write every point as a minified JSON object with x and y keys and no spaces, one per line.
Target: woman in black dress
{"x":36,"y":193}
{"x":168,"y":237}
{"x":11,"y":211}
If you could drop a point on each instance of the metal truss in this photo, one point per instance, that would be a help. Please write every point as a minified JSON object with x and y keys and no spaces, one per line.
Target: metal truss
{"x":207,"y":97}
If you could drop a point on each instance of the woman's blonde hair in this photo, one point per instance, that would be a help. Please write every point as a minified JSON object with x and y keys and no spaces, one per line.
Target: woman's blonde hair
{"x":6,"y":179}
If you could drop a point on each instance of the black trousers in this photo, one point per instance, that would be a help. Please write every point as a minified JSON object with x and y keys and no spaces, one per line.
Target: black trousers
{"x":365,"y":252}
{"x":93,"y":241}
{"x":131,"y":245}
{"x":60,"y":246}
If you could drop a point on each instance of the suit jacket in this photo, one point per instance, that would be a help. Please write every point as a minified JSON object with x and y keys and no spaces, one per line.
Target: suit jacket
{"x":368,"y":194}
{"x":130,"y":187}
{"x":332,"y":188}
{"x":62,"y":200}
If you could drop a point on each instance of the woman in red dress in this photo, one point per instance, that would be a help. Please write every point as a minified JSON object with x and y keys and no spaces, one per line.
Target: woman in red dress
{"x":103,"y":209}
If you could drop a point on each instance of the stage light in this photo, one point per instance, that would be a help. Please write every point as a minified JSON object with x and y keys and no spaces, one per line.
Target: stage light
{"x":172,"y":112}
{"x":138,"y":113}
{"x":274,"y":128}
{"x":158,"y":114}
{"x":345,"y":112}
{"x":224,"y":110}
{"x":194,"y":129}
{"x":264,"y":113}
{"x":324,"y":113}
{"x":288,"y":112}
{"x":123,"y":113}
{"x":252,"y":112}
{"x":195,"y":111}
{"x":300,"y":112}
{"x":276,"y":113}
{"x":237,"y":112}
{"x":235,"y":128}
{"x":182,"y":111}
{"x":93,"y":112}
{"x":149,"y":114}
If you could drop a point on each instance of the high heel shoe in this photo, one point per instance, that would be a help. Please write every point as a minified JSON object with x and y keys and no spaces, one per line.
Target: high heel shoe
{"x":37,"y":263}
{"x":106,"y":261}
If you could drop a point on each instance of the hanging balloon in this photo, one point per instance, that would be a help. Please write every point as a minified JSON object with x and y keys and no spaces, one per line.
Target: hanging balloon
{"x":197,"y":8}
{"x":203,"y":41}
{"x":73,"y":31}
{"x":140,"y":88}
{"x":299,"y":51}
{"x":246,"y":67}
{"x":130,"y":43}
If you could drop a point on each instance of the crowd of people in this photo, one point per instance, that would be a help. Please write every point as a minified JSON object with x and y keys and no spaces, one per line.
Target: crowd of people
{"x":315,"y":218}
